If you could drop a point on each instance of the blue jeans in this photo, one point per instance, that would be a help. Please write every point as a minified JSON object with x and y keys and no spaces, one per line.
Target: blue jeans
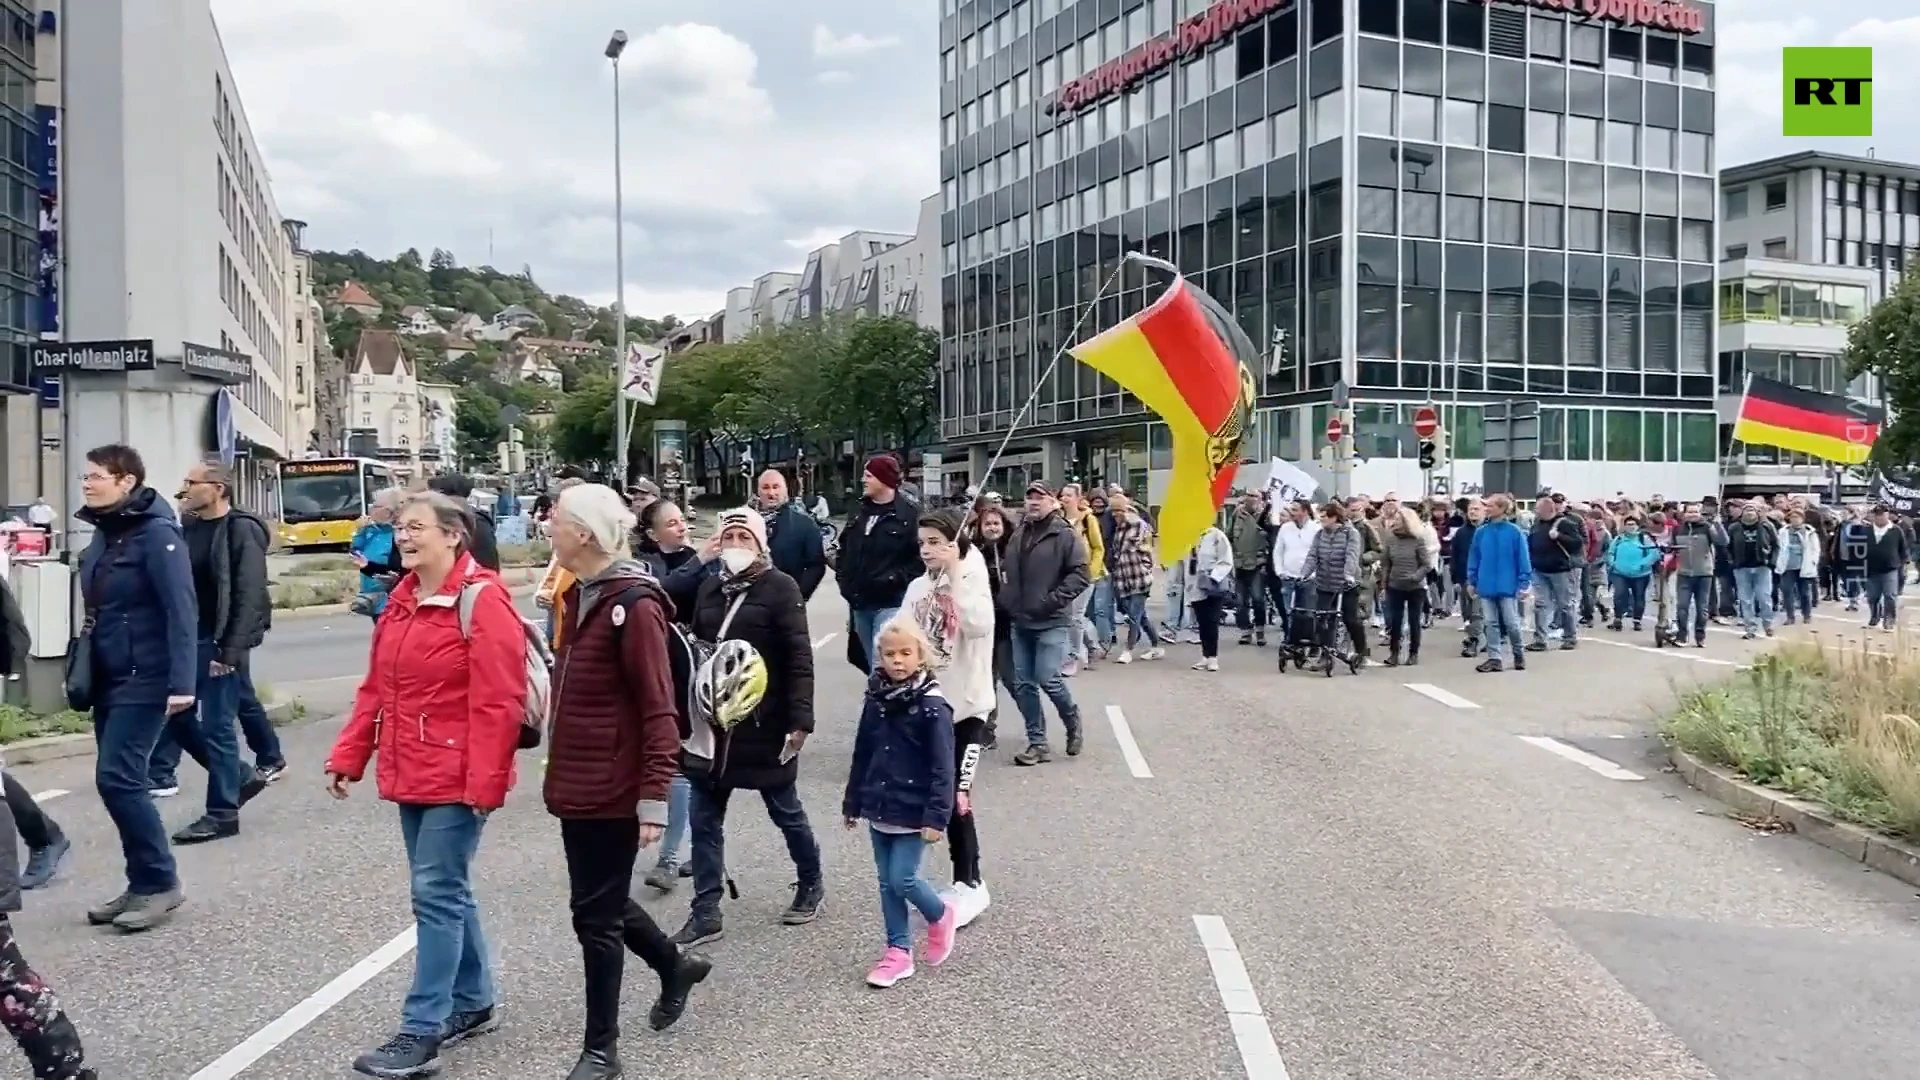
{"x":1037,"y":658}
{"x":1133,"y":614}
{"x":707,"y":809}
{"x":1176,"y":619}
{"x":254,"y":725}
{"x":451,"y":971}
{"x":867,"y":622}
{"x":1101,"y":611}
{"x":206,"y":732}
{"x":1502,"y":617}
{"x":1556,"y":601}
{"x":123,"y":737}
{"x":1692,"y":593}
{"x":1883,"y":591}
{"x":1753,"y":591}
{"x":676,"y":830}
{"x":1629,"y":598}
{"x":1796,"y":594}
{"x":896,"y":856}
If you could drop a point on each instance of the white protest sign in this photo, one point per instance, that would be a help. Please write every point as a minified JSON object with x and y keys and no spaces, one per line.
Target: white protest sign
{"x":1287,"y":484}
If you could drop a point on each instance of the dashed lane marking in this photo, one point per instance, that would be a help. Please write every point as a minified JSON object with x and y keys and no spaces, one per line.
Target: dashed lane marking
{"x":1580,"y":757}
{"x":1445,"y":697}
{"x":824,"y":638}
{"x":50,"y":794}
{"x":1259,"y":1055}
{"x":288,"y":1024}
{"x":1129,"y":749}
{"x":1677,"y":654}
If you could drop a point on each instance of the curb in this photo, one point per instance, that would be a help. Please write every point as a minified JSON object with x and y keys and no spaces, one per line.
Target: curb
{"x":81,"y":744}
{"x":518,"y":590}
{"x":1857,"y":842}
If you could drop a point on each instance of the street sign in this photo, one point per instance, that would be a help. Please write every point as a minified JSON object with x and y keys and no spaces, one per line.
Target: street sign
{"x":1335,"y":429}
{"x":1426,"y":421}
{"x":510,"y":415}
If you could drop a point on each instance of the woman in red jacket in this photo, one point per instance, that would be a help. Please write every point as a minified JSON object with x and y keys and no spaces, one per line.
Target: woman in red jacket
{"x":442,"y":708}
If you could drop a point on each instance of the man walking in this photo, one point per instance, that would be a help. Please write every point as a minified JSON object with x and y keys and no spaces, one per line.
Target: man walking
{"x":879,"y":551}
{"x":793,"y":538}
{"x":1696,"y":542}
{"x":1886,"y":560}
{"x":227,"y":549}
{"x":1251,"y":552}
{"x":1046,"y":567}
{"x":1556,"y":546}
{"x":1751,"y":547}
{"x":1499,"y":572}
{"x":1292,"y":541}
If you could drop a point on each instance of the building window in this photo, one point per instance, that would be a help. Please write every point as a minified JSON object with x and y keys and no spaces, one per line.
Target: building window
{"x":1327,"y":121}
{"x":1420,"y":118}
{"x":1776,"y":249}
{"x":1733,"y":204}
{"x":1543,"y":133}
{"x":1463,"y":123}
{"x":1376,"y":111}
{"x":1776,"y":195}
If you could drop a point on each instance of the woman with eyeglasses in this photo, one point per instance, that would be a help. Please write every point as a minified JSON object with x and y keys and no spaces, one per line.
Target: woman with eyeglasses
{"x":441,"y":706}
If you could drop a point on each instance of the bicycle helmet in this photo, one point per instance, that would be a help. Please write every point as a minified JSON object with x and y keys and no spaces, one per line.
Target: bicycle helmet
{"x":730,"y":684}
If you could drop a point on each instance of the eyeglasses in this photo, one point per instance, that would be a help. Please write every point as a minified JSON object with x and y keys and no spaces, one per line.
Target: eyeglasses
{"x":415,"y":528}
{"x":98,"y":477}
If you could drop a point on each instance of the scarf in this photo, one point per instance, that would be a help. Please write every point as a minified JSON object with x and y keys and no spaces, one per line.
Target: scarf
{"x":732,"y":585}
{"x":938,"y":617}
{"x":893,"y":696}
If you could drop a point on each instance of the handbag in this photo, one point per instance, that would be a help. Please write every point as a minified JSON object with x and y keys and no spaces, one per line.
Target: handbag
{"x":80,"y":680}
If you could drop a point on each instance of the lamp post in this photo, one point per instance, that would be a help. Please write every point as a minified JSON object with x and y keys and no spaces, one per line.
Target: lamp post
{"x":616,"y":45}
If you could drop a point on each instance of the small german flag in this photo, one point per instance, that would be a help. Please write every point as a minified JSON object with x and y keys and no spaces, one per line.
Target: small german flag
{"x":1832,"y":427}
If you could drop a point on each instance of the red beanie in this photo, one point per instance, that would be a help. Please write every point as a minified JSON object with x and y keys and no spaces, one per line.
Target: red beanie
{"x":884,"y":468}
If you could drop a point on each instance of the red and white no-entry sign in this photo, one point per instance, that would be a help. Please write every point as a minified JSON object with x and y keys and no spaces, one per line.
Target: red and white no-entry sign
{"x":1335,"y":429}
{"x":1426,"y":421}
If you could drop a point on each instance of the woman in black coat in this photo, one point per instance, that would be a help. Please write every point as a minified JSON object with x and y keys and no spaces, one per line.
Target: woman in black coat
{"x":751,"y":601}
{"x":988,"y":533}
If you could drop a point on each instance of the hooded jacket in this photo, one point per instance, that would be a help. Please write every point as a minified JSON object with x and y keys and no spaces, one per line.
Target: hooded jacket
{"x":1632,"y":555}
{"x":1045,"y":567}
{"x":1097,"y":536}
{"x":243,"y":610}
{"x":902,"y":773}
{"x":967,"y":673}
{"x":138,"y":586}
{"x":1698,"y":543}
{"x":1809,"y":551}
{"x":1498,"y":565}
{"x":1752,"y":545}
{"x":615,"y":742}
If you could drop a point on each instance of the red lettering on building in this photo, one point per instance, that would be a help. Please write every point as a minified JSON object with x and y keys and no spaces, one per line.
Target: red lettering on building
{"x":1681,"y":18}
{"x":1192,"y":36}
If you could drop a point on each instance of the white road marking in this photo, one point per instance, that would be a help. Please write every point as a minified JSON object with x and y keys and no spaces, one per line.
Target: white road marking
{"x":1445,"y":697}
{"x":823,"y":639}
{"x":1676,"y":653}
{"x":288,"y":1024}
{"x":1580,"y":757}
{"x":1259,"y":1055}
{"x":49,"y":794}
{"x":1123,"y":734}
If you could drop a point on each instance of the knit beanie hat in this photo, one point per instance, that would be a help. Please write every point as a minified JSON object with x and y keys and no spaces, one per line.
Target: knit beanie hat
{"x":746,"y":517}
{"x":884,"y":468}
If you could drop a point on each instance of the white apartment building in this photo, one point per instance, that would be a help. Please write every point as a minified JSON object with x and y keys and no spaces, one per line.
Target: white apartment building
{"x":384,"y":404}
{"x":170,"y":233}
{"x":308,"y":323}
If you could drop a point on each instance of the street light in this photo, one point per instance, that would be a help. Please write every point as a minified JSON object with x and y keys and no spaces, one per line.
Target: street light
{"x":616,"y":45}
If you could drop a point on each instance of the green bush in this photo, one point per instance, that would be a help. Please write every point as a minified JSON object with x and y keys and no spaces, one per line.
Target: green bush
{"x":299,"y":592}
{"x":17,"y":723}
{"x":310,"y":565}
{"x":535,"y":553}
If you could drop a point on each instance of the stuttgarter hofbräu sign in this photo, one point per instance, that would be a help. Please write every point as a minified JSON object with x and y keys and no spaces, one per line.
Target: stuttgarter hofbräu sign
{"x":1652,"y":14}
{"x":1191,"y":36}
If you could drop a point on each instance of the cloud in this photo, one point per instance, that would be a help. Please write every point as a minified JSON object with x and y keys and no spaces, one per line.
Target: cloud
{"x":825,"y":44}
{"x":1747,"y":83}
{"x":834,"y":78}
{"x":702,"y":73}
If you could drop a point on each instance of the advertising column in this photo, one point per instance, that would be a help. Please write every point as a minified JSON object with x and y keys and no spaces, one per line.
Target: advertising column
{"x":670,"y":458}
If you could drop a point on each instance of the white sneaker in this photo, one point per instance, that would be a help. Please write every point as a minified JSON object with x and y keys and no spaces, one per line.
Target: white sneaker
{"x":1125,"y":657}
{"x":1154,"y":653}
{"x":972,"y":903}
{"x":1206,"y":665}
{"x":1192,"y":638}
{"x":1213,"y":664}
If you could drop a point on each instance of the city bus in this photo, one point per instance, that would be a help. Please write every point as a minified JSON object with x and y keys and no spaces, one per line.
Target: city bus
{"x":323,"y":500}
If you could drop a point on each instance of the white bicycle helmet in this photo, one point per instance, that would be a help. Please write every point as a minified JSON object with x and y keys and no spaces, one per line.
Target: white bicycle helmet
{"x":730,"y":684}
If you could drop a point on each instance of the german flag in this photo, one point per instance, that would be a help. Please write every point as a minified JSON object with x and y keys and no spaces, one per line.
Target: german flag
{"x":1832,"y":427}
{"x":1186,"y":360}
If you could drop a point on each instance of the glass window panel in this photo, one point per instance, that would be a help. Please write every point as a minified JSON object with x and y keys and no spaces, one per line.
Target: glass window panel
{"x":1505,"y":222}
{"x":1420,"y":117}
{"x":1699,"y":438}
{"x":1543,"y":133}
{"x":1623,"y":143}
{"x":1422,"y":214}
{"x":1376,"y":110}
{"x":1583,"y":138}
{"x":1254,"y":144}
{"x":1226,"y":157}
{"x":1463,"y":123}
{"x":1463,"y":217}
{"x":1327,"y":119}
{"x":1624,"y":429}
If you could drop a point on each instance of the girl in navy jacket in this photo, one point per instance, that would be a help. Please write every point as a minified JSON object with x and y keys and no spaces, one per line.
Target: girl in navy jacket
{"x":901,"y":783}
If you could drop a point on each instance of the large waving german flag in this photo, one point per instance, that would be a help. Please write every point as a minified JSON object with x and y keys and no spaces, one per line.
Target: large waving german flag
{"x":1832,"y":427}
{"x":1186,"y":360}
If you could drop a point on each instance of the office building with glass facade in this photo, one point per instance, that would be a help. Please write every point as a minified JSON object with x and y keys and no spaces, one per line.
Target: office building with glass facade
{"x":1419,"y":199}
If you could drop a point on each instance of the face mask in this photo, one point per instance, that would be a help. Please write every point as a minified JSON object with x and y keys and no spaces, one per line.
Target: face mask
{"x":736,"y":560}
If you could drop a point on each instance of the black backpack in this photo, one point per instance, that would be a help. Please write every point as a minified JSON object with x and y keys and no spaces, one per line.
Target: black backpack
{"x":685,"y":654}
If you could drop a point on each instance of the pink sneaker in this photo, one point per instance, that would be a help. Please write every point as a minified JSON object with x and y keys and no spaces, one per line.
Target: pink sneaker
{"x":940,"y":937}
{"x":895,"y":965}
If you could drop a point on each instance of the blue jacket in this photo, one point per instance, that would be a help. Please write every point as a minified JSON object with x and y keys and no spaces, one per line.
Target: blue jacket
{"x":902,"y":772}
{"x":138,"y":585}
{"x":1498,"y":566}
{"x":1632,"y":555}
{"x":794,"y":545}
{"x":374,"y":541}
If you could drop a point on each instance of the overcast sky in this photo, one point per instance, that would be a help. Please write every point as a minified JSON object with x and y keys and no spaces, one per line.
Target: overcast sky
{"x":755,"y":130}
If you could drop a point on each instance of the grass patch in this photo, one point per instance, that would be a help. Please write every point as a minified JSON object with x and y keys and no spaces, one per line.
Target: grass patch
{"x":17,"y":723}
{"x":532,"y":554}
{"x":1833,"y":724}
{"x":298,"y":592}
{"x":311,"y":565}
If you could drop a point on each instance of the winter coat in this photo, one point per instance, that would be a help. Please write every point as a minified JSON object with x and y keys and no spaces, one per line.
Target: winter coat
{"x":1132,"y":558}
{"x":1249,"y":540}
{"x":902,"y":773}
{"x":137,"y":583}
{"x":442,"y":711}
{"x":680,"y":573}
{"x":374,"y":542}
{"x":1333,"y":561}
{"x":1809,"y":551}
{"x":243,"y":610}
{"x":1460,"y":547}
{"x":1698,"y":543}
{"x":483,"y":547}
{"x":19,"y":639}
{"x":879,"y":554}
{"x":795,"y":545}
{"x":1406,"y":560}
{"x":1093,"y":534}
{"x":773,"y":619}
{"x":1886,"y":553}
{"x":614,"y":745}
{"x":1632,"y":555}
{"x":1209,"y":569}
{"x":967,"y":673}
{"x":1751,"y":547}
{"x":1557,"y":545}
{"x":1498,"y":564}
{"x":993,"y":555}
{"x":1046,"y":568}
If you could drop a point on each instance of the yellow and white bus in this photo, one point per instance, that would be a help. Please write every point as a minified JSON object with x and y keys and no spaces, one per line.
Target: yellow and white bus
{"x":324,"y":500}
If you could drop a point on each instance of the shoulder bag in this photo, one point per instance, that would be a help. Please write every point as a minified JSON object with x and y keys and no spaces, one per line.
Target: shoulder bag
{"x":80,"y":677}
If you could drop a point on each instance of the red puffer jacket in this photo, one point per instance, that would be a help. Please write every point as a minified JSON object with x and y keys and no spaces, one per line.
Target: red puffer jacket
{"x":442,"y":711}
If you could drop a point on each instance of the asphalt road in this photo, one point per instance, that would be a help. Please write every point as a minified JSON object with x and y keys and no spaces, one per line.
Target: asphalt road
{"x":1474,"y":877}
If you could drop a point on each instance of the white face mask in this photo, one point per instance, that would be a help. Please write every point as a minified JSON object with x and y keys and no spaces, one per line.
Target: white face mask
{"x":736,"y":559}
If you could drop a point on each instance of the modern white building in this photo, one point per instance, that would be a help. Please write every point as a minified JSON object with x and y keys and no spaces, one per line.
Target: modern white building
{"x":170,"y":234}
{"x":309,"y":348}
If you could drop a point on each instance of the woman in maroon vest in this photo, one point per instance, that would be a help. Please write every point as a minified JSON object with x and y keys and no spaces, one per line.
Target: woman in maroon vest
{"x":615,"y":747}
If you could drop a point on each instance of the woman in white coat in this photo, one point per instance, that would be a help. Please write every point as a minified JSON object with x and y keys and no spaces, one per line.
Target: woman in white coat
{"x":1209,"y":580}
{"x":1796,"y":566}
{"x":953,"y":604}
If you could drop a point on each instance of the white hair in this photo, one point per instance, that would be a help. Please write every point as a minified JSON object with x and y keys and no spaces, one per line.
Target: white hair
{"x":601,"y":511}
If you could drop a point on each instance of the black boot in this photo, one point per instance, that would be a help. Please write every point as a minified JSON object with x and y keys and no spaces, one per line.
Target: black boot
{"x":688,"y":973}
{"x":1393,"y":654}
{"x":598,"y":1065}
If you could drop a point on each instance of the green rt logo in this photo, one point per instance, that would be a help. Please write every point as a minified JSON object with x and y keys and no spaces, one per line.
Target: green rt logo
{"x":1828,"y":91}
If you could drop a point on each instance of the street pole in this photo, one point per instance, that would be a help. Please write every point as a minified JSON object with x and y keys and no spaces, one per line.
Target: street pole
{"x":615,"y":46}
{"x":1453,"y":483}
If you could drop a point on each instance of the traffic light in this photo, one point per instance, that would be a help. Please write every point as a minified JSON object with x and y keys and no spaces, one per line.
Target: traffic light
{"x":1429,"y":455}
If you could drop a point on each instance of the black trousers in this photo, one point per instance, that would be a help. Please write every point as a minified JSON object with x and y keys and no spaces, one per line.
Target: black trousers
{"x":1406,"y":606}
{"x":1347,"y":603}
{"x":34,"y":826}
{"x":600,"y":856}
{"x":1206,"y":612}
{"x":963,"y":840}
